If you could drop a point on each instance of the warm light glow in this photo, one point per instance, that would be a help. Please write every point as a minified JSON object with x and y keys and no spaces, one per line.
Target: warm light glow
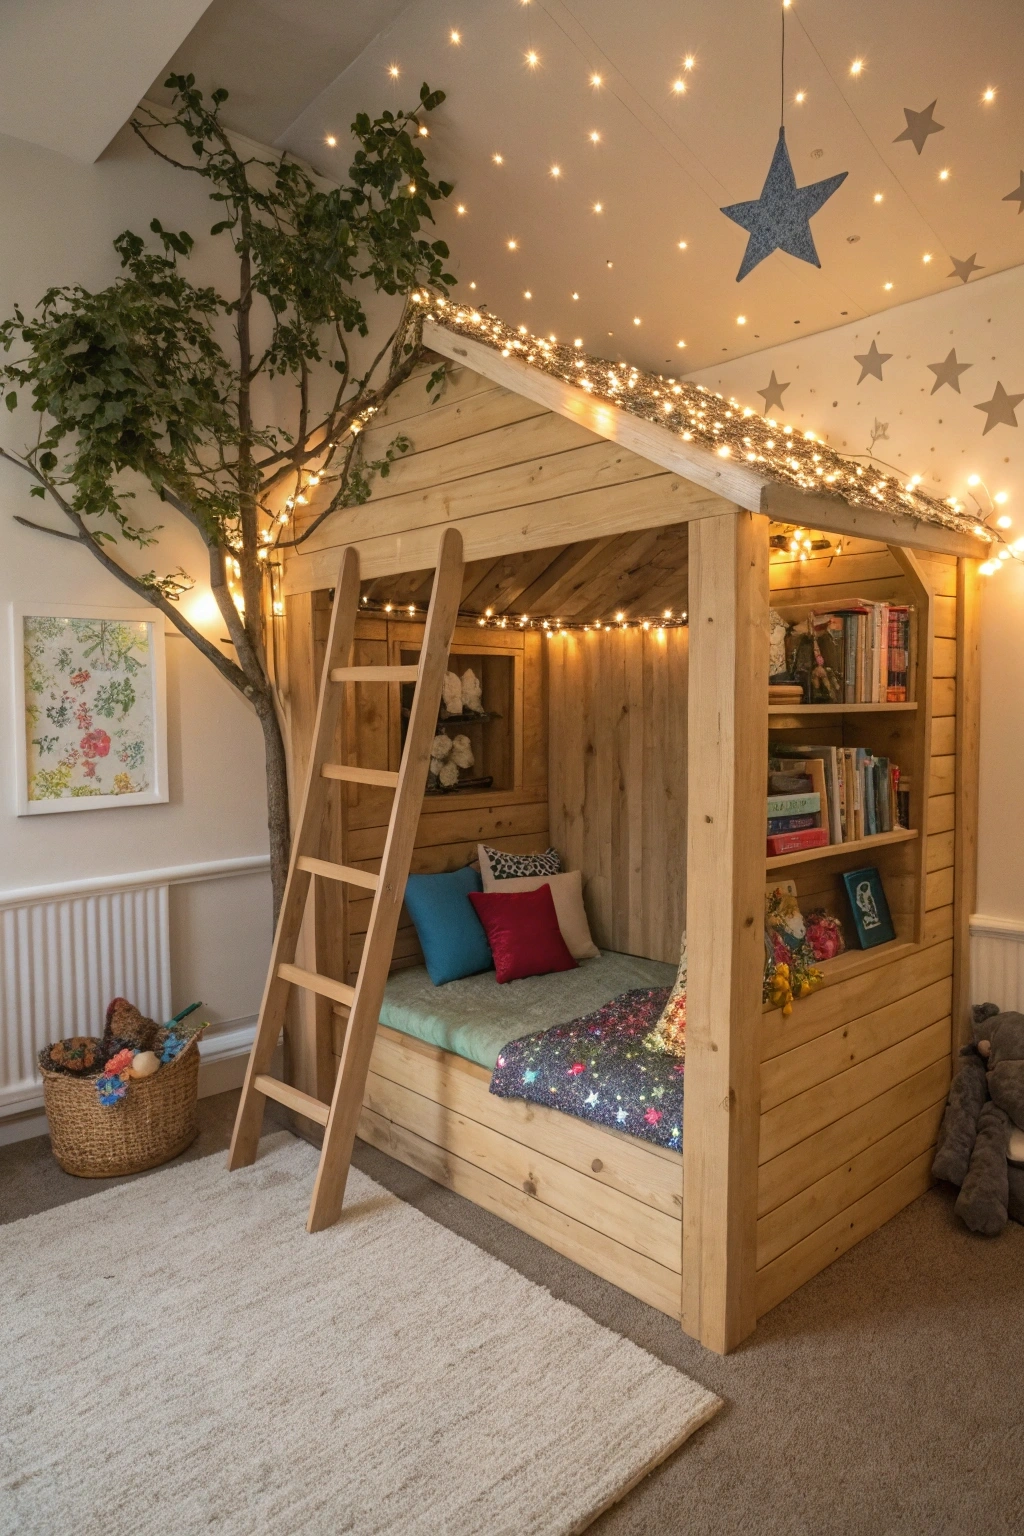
{"x":678,"y":86}
{"x":424,"y":131}
{"x":857,"y":67}
{"x":596,"y":80}
{"x":741,"y":319}
{"x":887,"y":286}
{"x":944,"y":175}
{"x":878,"y":197}
{"x":680,"y":343}
{"x":636,"y":319}
{"x":472,"y":285}
{"x":527,"y":294}
{"x":456,"y":37}
{"x":800,"y":97}
{"x":556,"y":171}
{"x":498,"y":159}
{"x":926,"y":258}
{"x":513,"y":245}
{"x":988,"y":95}
{"x":331,"y":141}
{"x":682,"y":245}
{"x":1004,"y":521}
{"x":973,"y":479}
{"x":578,"y":342}
{"x":598,"y":207}
{"x":575,"y":295}
{"x":461,"y":208}
{"x":689,"y":61}
{"x":1001,"y":497}
{"x":532,"y":59}
{"x":619,"y":618}
{"x":595,"y":137}
{"x":394,"y":71}
{"x":724,"y":451}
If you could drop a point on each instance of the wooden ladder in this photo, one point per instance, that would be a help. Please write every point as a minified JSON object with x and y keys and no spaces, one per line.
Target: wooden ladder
{"x":341,"y":1116}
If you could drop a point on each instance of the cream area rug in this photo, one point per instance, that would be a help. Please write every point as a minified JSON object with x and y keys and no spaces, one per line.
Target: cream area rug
{"x":178,"y":1355}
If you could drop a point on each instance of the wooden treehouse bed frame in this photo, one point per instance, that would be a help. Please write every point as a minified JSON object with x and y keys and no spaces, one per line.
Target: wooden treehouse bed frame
{"x":640,"y":756}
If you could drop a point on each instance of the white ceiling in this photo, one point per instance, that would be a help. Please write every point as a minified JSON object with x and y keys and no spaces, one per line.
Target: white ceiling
{"x":72,"y":71}
{"x":298,"y":70}
{"x":666,"y":164}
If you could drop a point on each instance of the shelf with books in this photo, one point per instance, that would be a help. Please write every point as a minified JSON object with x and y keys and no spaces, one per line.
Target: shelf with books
{"x":857,"y":846}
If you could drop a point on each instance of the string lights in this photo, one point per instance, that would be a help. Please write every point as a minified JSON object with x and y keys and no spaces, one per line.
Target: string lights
{"x":668,"y":618}
{"x":696,"y":414}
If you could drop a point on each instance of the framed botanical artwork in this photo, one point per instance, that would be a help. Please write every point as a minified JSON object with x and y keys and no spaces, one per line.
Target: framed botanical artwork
{"x":870,"y":909}
{"x":91,"y":708}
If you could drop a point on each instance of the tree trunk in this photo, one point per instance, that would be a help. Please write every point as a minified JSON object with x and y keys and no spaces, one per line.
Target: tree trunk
{"x":278,"y":820}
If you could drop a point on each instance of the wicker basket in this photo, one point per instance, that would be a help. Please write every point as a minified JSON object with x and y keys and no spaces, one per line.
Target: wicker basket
{"x":157,"y":1119}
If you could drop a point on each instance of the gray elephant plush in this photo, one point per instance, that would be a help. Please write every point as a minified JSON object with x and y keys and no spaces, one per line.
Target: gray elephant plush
{"x":981,"y":1139}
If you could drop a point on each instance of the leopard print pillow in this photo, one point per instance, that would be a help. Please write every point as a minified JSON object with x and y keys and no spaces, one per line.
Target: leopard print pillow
{"x":516,"y":866}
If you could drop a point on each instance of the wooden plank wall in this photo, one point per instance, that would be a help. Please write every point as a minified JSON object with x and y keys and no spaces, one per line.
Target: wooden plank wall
{"x":483,"y":455}
{"x":617,"y":775}
{"x":854,"y":1081}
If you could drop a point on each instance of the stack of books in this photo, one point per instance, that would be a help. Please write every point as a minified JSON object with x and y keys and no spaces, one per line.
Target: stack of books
{"x":855,"y":653}
{"x":822,"y":795}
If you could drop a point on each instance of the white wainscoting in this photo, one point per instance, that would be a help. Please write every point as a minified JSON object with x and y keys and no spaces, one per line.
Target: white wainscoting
{"x":997,"y":961}
{"x":66,"y":950}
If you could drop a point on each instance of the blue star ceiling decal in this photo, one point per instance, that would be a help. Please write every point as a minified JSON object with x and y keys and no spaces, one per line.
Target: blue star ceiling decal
{"x":779,"y":220}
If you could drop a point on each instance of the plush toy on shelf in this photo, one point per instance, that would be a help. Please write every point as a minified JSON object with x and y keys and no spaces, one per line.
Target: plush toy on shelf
{"x":981,"y":1139}
{"x":462,"y":752}
{"x":472,"y":693}
{"x":451,"y":695}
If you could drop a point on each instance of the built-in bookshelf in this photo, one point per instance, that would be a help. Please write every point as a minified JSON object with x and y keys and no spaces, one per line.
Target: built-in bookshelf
{"x":899,"y":731}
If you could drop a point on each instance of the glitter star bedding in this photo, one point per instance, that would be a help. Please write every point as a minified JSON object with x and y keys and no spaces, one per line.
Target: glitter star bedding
{"x":607,"y":1067}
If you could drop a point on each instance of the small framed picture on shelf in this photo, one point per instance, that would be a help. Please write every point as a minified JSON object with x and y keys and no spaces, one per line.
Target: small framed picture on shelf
{"x":871,"y":918}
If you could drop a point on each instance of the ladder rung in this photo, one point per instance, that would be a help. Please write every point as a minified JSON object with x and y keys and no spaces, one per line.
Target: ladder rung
{"x":343,"y":872}
{"x":359,"y":775}
{"x":325,"y":986}
{"x":292,"y":1098}
{"x":375,"y":674}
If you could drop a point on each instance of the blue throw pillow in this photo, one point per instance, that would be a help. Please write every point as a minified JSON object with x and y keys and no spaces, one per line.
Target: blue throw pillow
{"x":451,"y":935}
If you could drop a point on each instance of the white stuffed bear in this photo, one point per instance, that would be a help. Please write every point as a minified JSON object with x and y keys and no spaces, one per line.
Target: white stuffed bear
{"x":451,"y":694}
{"x":472,"y":693}
{"x":462,"y":752}
{"x":440,"y":754}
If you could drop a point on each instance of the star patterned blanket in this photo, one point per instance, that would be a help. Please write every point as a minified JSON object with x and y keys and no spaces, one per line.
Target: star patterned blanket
{"x":602,"y":1068}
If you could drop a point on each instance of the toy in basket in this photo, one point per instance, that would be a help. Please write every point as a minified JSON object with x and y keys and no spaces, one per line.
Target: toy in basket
{"x":126,"y":1101}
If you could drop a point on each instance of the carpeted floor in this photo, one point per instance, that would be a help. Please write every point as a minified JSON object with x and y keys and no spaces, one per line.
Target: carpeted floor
{"x":884,"y":1398}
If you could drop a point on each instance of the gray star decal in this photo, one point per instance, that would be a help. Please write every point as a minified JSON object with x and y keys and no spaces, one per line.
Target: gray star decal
{"x":1017,"y":195}
{"x":919,"y":126}
{"x":772,"y":393}
{"x":871,"y":362}
{"x":1001,"y":409}
{"x":779,"y":220}
{"x":948,"y":371}
{"x":965,"y":269}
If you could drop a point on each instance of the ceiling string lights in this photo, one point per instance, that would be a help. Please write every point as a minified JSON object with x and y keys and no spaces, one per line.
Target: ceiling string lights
{"x":699,"y":415}
{"x":668,"y":618}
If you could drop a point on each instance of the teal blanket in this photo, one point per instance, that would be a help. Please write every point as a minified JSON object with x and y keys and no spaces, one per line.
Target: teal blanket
{"x":475,"y":1017}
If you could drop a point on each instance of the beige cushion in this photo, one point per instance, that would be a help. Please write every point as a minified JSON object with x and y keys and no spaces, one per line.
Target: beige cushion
{"x":567,"y":894}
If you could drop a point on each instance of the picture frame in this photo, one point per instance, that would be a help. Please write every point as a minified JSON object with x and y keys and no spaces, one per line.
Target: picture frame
{"x":872,"y":920}
{"x":90,"y":699}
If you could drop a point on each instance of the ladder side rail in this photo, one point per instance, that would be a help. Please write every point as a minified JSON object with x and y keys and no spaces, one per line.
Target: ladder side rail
{"x":313,"y":810}
{"x":346,"y":1104}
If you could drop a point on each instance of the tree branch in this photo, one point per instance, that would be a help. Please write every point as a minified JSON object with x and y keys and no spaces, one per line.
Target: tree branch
{"x":234,"y":674}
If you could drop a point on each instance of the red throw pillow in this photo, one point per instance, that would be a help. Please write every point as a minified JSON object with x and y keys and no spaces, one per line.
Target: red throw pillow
{"x":522,"y":930}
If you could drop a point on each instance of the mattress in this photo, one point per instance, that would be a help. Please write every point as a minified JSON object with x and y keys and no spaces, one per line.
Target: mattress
{"x":476,"y":1017}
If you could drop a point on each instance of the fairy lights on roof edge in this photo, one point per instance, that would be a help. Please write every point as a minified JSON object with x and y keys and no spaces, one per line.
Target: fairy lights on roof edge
{"x":696,"y":414}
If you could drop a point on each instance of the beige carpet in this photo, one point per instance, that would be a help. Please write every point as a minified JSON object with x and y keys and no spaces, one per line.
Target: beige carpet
{"x":179,"y":1356}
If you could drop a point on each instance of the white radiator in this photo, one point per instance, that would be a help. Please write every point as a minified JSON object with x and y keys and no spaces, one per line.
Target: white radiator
{"x":997,"y":962}
{"x":62,"y":960}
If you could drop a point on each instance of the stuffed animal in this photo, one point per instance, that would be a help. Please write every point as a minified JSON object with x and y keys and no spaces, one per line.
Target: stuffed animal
{"x":980,"y":1139}
{"x":472,"y":693}
{"x":451,"y":694}
{"x":462,"y":752}
{"x":440,"y":753}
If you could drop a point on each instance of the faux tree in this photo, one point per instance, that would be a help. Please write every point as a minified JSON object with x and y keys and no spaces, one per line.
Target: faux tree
{"x":181,"y":385}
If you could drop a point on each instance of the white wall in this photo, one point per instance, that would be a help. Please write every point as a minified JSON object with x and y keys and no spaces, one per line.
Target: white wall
{"x":59,"y":219}
{"x":942,"y":437}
